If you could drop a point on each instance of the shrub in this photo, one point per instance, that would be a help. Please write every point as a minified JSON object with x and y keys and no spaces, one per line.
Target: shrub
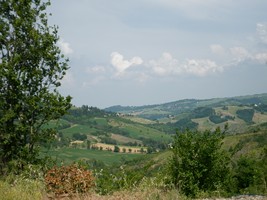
{"x":69,"y":180}
{"x":198,"y":163}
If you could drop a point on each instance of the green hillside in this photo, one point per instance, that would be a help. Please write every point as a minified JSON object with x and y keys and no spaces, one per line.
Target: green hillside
{"x":183,"y":106}
{"x":240,"y":113}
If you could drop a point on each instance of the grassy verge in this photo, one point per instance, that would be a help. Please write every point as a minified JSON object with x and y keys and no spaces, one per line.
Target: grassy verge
{"x":21,"y":189}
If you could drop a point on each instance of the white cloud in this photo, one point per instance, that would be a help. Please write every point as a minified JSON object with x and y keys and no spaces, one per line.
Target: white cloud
{"x":239,"y":53}
{"x":167,"y":65}
{"x":65,"y":47}
{"x":262,"y":32}
{"x":217,"y":49}
{"x":261,"y":57}
{"x":121,"y":65}
{"x":201,"y":67}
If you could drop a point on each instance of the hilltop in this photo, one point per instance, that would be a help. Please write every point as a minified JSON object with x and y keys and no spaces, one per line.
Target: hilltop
{"x":186,"y":105}
{"x":239,"y":112}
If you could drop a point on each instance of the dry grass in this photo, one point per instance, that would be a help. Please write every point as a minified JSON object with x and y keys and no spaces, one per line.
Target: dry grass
{"x":147,"y":194}
{"x":21,"y":189}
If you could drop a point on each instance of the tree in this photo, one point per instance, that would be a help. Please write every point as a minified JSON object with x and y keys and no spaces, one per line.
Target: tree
{"x":198,"y":163}
{"x":116,"y":149}
{"x":31,"y":68}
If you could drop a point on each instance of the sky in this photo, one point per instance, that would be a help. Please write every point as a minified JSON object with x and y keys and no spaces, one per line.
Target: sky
{"x":143,"y":52}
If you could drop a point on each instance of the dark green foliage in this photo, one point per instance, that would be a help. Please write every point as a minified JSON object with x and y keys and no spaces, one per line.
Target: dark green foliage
{"x":225,"y":108}
{"x":122,"y":177}
{"x":247,"y":173}
{"x":79,"y":136}
{"x":31,"y":68}
{"x":217,"y":119}
{"x":261,"y":108}
{"x":198,"y":163}
{"x":203,"y":112}
{"x":116,"y":149}
{"x":84,"y":115}
{"x":246,"y":114}
{"x":250,"y":174}
{"x":60,"y":141}
{"x":153,"y":143}
{"x":108,"y":140}
{"x":183,"y":124}
{"x":249,"y":170}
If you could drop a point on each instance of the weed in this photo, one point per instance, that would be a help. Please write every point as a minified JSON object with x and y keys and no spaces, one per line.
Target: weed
{"x":69,"y":180}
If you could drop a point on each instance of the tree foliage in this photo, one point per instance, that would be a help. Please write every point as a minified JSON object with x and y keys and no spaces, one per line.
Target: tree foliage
{"x":31,"y":68}
{"x":198,"y":163}
{"x":246,"y":115}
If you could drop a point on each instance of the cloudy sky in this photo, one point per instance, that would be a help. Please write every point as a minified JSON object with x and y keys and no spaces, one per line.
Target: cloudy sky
{"x":139,"y":52}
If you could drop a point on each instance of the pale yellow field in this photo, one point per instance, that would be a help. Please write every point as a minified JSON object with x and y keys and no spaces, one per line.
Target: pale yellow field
{"x":107,"y":147}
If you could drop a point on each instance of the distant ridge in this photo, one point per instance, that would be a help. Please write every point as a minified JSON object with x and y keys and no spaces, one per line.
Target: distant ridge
{"x":186,"y":105}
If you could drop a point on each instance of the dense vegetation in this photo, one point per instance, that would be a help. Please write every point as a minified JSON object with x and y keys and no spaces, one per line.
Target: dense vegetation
{"x":31,"y":68}
{"x":198,"y":162}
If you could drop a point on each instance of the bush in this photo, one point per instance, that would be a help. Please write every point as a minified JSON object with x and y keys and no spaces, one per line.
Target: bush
{"x":69,"y":180}
{"x":247,"y":173}
{"x":198,"y":163}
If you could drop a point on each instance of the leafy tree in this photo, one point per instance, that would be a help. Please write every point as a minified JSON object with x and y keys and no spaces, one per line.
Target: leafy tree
{"x":198,"y":163}
{"x":116,"y":149}
{"x":31,"y":68}
{"x":247,"y":172}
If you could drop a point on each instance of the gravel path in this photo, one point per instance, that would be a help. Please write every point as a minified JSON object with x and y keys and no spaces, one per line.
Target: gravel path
{"x":242,"y":197}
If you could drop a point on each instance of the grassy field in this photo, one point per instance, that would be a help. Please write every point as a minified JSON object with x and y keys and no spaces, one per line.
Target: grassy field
{"x":139,"y":131}
{"x":123,"y":139}
{"x":139,"y":120}
{"x":69,"y":155}
{"x":77,"y":128}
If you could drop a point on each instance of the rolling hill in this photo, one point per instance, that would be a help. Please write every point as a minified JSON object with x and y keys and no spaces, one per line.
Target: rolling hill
{"x":159,"y":111}
{"x":240,"y":113}
{"x":137,"y":130}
